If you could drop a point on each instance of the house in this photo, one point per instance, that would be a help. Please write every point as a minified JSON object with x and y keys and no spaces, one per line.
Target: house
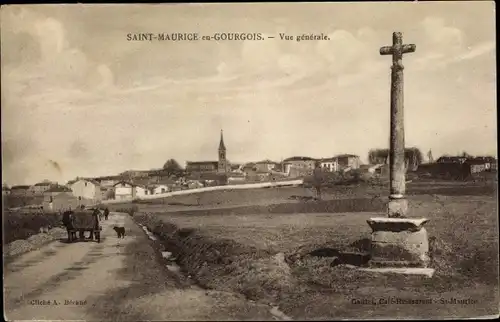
{"x":157,"y":175}
{"x":107,"y":193}
{"x":248,"y":167}
{"x":20,"y":191}
{"x":477,"y":165}
{"x":489,"y":162}
{"x":108,"y":181}
{"x":236,"y":177}
{"x":299,"y":163}
{"x":330,"y":164}
{"x":61,"y":202}
{"x":493,"y":164}
{"x":258,"y":176}
{"x":5,"y":191}
{"x":87,"y":190}
{"x":235,"y":166}
{"x":201,"y":166}
{"x":266,"y":165}
{"x":39,"y":188}
{"x":304,"y":162}
{"x":373,"y":168}
{"x":132,"y":174}
{"x":194,"y":184}
{"x":448,"y":159}
{"x":348,"y":161}
{"x":139,"y":191}
{"x":212,"y":178}
{"x":55,"y":190}
{"x":125,"y":190}
{"x":161,"y":188}
{"x":140,"y":181}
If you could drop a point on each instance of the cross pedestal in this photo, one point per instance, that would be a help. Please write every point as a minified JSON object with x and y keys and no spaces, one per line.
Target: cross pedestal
{"x":399,"y":244}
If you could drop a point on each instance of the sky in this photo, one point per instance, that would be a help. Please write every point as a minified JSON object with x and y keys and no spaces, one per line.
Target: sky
{"x":78,"y":99}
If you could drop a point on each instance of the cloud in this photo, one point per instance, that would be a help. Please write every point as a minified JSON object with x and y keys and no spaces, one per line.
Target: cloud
{"x":59,"y":65}
{"x":441,"y":37}
{"x":476,"y":51}
{"x":441,"y":45}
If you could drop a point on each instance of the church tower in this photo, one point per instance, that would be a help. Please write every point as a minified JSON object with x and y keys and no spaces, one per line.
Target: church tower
{"x":223,"y":164}
{"x":429,"y":156}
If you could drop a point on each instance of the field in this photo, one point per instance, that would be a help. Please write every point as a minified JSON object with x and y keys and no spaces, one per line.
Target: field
{"x":272,"y":246}
{"x":20,"y":201}
{"x":18,"y":225}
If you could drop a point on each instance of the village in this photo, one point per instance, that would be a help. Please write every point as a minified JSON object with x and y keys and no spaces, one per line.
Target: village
{"x":48,"y":196}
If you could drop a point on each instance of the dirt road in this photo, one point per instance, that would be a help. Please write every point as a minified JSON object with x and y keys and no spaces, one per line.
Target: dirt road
{"x":117,"y":279}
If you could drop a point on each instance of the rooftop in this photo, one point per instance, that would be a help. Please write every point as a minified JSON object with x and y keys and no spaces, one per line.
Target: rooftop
{"x":20,"y":187}
{"x":267,"y":161}
{"x":43,"y":184}
{"x":164,"y":182}
{"x":346,"y":156}
{"x":59,"y":189}
{"x":201,"y":162}
{"x":299,"y":158}
{"x":108,"y":178}
{"x":125,"y":182}
{"x":93,"y":181}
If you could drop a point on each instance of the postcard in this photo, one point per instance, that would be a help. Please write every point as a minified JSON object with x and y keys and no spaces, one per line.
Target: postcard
{"x":249,"y":161}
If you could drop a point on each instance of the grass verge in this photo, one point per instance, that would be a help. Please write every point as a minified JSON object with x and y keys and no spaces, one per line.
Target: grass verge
{"x":254,"y":254}
{"x":19,"y":225}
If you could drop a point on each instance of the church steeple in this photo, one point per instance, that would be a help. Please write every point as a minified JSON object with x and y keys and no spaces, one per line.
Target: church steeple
{"x":221,"y":144}
{"x":223,"y":166}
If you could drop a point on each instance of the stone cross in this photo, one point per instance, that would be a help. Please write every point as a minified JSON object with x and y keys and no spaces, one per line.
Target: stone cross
{"x":398,"y":205}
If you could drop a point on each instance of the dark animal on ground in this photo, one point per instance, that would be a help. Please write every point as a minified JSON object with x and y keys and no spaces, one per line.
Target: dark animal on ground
{"x":120,"y":231}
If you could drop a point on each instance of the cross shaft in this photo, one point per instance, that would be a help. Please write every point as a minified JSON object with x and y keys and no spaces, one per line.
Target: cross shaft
{"x":398,"y":206}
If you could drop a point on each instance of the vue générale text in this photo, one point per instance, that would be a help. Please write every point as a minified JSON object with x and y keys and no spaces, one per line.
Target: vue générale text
{"x":222,"y":36}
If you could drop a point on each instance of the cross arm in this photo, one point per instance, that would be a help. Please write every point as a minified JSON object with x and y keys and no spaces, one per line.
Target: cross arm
{"x":389,"y":50}
{"x":409,"y":48}
{"x":386,"y":50}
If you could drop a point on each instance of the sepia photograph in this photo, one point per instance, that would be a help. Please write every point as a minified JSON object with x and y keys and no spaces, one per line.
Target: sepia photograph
{"x":249,"y":161}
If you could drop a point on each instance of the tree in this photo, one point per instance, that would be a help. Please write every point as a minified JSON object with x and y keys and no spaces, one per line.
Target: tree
{"x":413,"y":155}
{"x":110,"y":194}
{"x":172,"y":167}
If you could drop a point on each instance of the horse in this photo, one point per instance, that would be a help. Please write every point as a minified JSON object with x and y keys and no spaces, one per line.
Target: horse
{"x":67,"y":222}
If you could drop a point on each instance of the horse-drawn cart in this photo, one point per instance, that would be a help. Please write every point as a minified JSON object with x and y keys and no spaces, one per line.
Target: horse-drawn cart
{"x":81,"y":222}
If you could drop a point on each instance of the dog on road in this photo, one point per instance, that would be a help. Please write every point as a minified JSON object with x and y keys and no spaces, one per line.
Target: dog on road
{"x":120,"y":231}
